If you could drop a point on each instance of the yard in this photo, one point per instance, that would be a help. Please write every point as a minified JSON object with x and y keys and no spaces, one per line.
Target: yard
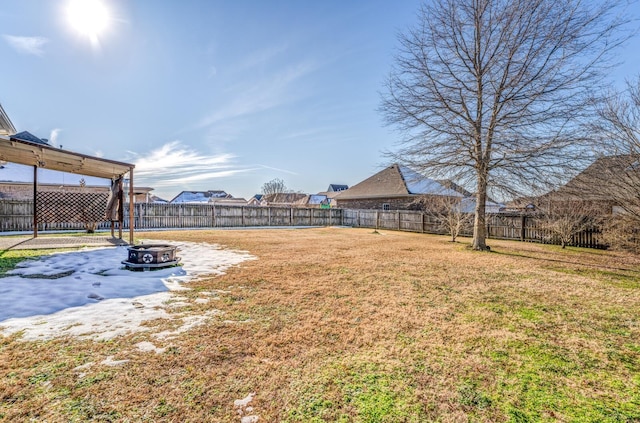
{"x":352,"y":325}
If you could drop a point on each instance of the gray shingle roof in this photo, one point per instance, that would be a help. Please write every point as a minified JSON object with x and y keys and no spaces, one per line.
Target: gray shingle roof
{"x":609,"y":177}
{"x":29,"y":137}
{"x":337,"y":188}
{"x":285,"y":198}
{"x":396,"y":181}
{"x":199,"y":196}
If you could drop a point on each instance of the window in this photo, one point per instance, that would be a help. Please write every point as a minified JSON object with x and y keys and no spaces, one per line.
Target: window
{"x":386,"y":207}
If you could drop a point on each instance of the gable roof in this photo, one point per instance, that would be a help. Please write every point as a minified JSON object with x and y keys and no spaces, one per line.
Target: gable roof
{"x":199,"y":196}
{"x":609,"y":177}
{"x":29,"y":137}
{"x":285,"y":198}
{"x":396,"y":181}
{"x":317,"y":199}
{"x":337,"y":188}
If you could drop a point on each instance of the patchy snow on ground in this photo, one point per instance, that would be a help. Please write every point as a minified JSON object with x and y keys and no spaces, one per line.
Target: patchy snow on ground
{"x":242,"y":407}
{"x":88,"y":293}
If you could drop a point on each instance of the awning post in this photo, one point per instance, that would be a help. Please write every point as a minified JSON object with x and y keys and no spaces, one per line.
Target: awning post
{"x":131,"y":217}
{"x":35,"y":201}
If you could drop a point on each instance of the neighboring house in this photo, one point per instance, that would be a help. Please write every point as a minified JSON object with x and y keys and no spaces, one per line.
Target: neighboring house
{"x":317,"y":200}
{"x":255,"y":201}
{"x":154,"y":199}
{"x":284,"y":199}
{"x":199,"y":197}
{"x":468,"y":204}
{"x":236,"y":202}
{"x":29,"y":137}
{"x":330,"y":198}
{"x":394,"y":188}
{"x":24,"y":190}
{"x":609,"y":183}
{"x":331,"y":194}
{"x":337,"y":188}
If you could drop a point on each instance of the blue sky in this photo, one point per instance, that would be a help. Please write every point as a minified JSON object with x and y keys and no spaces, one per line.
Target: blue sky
{"x":212,"y":94}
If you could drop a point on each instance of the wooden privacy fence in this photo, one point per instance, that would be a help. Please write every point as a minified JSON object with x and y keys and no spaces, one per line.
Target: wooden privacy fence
{"x":16,"y":215}
{"x":151,"y":216}
{"x":517,"y":226}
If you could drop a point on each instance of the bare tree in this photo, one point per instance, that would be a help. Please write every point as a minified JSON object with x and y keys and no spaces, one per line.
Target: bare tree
{"x":448,"y":213}
{"x":492,"y":93}
{"x":619,"y":180}
{"x":564,"y":218}
{"x":275,"y":186}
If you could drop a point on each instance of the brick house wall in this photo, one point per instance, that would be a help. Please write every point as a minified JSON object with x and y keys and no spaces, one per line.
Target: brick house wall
{"x":394,"y":203}
{"x":401,"y":203}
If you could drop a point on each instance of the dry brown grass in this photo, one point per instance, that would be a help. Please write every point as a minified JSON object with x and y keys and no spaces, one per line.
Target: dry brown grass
{"x":349,"y":325}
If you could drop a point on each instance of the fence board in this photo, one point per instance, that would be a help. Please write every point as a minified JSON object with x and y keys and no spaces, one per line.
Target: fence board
{"x":16,"y":215}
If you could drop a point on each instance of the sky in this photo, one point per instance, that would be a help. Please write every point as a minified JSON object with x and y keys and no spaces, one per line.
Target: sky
{"x":212,"y":95}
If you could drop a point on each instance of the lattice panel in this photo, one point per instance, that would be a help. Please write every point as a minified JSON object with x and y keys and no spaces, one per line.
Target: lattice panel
{"x":71,"y":206}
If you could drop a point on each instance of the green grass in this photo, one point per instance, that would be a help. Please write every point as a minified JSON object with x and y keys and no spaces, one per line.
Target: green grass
{"x":342,"y":326}
{"x":10,"y":258}
{"x":356,"y":390}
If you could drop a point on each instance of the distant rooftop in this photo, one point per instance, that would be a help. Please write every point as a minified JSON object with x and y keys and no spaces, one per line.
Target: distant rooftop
{"x":29,"y":137}
{"x":337,"y":188}
{"x":199,"y":196}
{"x":396,"y":181}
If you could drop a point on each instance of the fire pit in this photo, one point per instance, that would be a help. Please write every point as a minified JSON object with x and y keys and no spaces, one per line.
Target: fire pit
{"x":152,"y":256}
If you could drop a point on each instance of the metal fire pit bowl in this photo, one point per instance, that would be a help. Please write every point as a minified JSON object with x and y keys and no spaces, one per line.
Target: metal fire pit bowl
{"x":152,"y":256}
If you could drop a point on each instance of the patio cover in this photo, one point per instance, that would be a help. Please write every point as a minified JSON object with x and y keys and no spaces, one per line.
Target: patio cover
{"x":42,"y":155}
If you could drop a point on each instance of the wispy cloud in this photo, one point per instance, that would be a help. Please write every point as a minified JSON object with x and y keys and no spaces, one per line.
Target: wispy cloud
{"x":265,"y":94}
{"x":259,"y":57}
{"x":278,"y":169}
{"x":53,"y":136}
{"x":175,"y":163}
{"x":26,"y":45}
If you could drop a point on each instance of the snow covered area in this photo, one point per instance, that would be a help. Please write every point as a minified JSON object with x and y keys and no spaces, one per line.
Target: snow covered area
{"x":88,"y":293}
{"x":420,"y":184}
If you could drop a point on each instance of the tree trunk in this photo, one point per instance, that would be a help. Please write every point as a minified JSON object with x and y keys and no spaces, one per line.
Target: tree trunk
{"x":479,"y":223}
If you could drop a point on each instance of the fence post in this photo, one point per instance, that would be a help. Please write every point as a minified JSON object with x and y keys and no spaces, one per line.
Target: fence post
{"x":523,"y":222}
{"x":141,"y":216}
{"x":242,"y":217}
{"x":398,"y":219}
